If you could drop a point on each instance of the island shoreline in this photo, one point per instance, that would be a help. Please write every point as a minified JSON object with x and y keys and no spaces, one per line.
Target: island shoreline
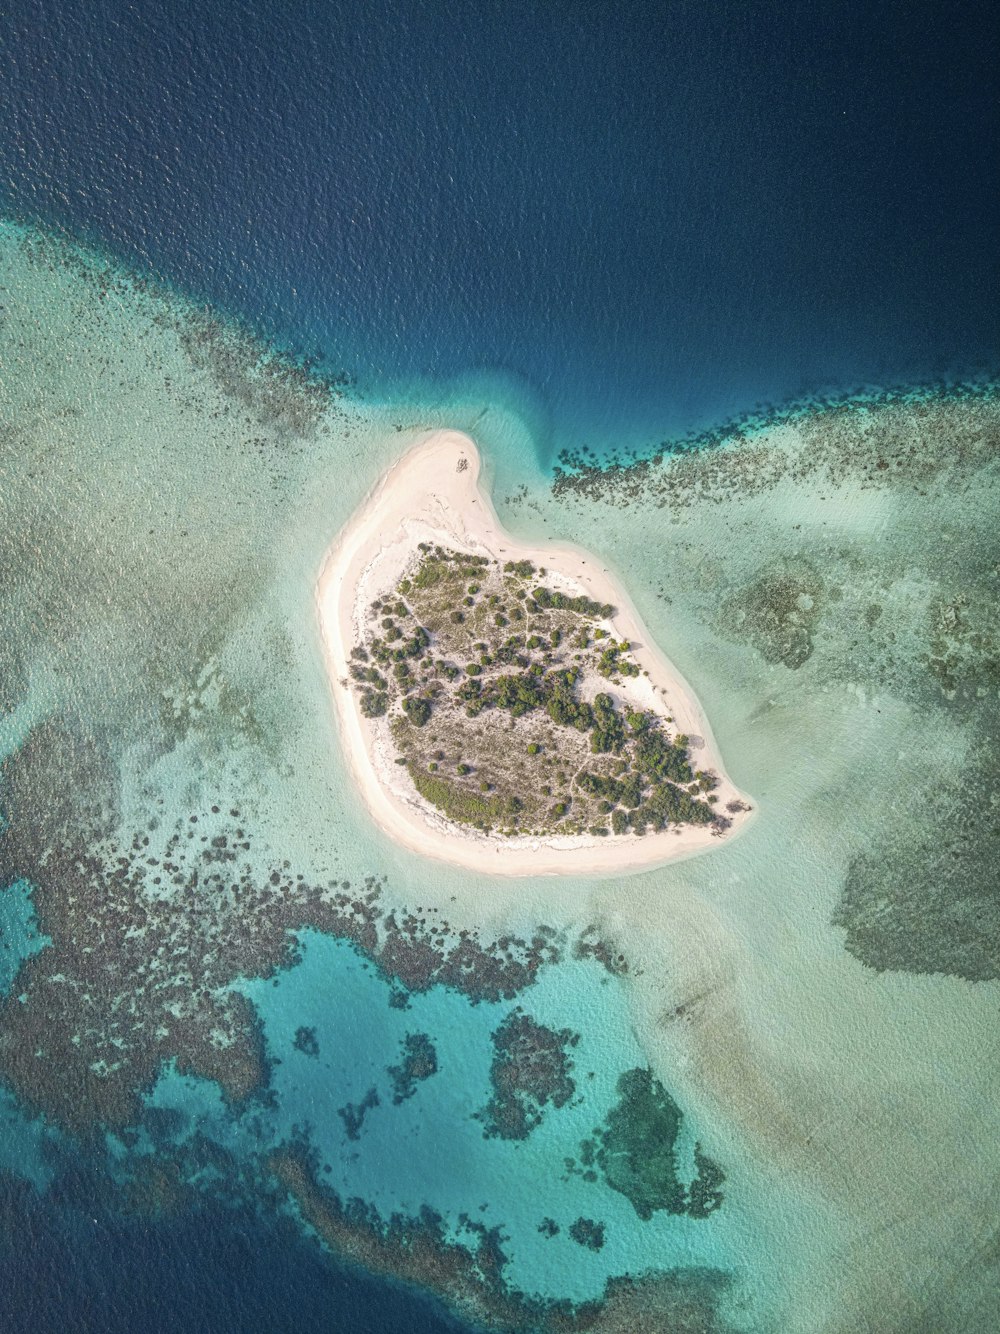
{"x":433,"y":492}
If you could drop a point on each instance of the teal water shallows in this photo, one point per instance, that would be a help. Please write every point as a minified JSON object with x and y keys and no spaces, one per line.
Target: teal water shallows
{"x":176,"y":795}
{"x":19,"y":937}
{"x":830,"y":586}
{"x":809,"y":1011}
{"x":336,"y":1042}
{"x":24,"y":1138}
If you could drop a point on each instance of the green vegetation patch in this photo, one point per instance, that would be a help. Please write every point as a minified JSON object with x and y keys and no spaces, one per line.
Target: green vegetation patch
{"x":523,"y":568}
{"x":659,"y":758}
{"x":463,"y":805}
{"x":374,"y":703}
{"x":418,"y":710}
{"x":492,"y":685}
{"x":582,"y":606}
{"x":612,"y":662}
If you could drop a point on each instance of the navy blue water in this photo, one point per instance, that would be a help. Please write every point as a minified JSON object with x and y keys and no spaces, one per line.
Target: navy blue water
{"x":210,"y":1268}
{"x":644,"y":217}
{"x":639,"y":219}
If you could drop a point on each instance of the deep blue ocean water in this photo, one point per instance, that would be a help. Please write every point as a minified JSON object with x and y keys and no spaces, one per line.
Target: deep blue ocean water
{"x":212,"y":1268}
{"x":643,"y":217}
{"x":632,"y":220}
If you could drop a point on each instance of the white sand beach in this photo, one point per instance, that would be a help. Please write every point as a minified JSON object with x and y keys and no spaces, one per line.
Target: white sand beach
{"x":432,"y":494}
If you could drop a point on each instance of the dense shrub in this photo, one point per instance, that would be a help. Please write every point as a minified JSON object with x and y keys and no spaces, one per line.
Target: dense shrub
{"x":417,"y":710}
{"x":608,"y":734}
{"x":657,"y":756}
{"x":626,"y":791}
{"x":611,"y":663}
{"x":584,"y":606}
{"x":374,"y":703}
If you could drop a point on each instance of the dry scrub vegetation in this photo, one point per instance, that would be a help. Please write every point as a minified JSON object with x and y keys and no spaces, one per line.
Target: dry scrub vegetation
{"x":508,"y":702}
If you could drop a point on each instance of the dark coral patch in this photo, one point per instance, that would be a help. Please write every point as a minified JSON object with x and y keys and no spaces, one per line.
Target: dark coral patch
{"x":418,"y":1062}
{"x":636,"y":1149}
{"x":892,"y":441}
{"x":587,"y":1232}
{"x":146,"y":943}
{"x":925,"y":897}
{"x":353,"y":1113}
{"x":531,"y":1068}
{"x":306,"y":1041}
{"x":472,"y":1278}
{"x":777,"y":613}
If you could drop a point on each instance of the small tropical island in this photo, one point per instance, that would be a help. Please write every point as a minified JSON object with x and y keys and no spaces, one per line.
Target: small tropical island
{"x":501,"y":706}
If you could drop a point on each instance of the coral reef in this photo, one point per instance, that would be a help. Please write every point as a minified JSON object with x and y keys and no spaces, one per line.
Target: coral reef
{"x":531,"y":1068}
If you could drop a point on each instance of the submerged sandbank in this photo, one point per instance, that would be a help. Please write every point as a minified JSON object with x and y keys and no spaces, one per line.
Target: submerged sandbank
{"x":432,"y":494}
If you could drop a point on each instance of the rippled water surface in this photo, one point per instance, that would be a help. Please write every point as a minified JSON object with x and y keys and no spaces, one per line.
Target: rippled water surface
{"x":261,"y":1068}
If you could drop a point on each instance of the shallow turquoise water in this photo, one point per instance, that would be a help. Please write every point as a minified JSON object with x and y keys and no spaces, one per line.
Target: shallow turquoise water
{"x":173,"y":502}
{"x":19,"y":937}
{"x":554,"y":227}
{"x":431,"y":1150}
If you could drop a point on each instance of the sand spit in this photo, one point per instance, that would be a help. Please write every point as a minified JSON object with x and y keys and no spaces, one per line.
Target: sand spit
{"x":432,"y":494}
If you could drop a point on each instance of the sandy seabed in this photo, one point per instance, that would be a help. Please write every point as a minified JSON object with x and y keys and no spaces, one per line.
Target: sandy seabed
{"x":432,"y":494}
